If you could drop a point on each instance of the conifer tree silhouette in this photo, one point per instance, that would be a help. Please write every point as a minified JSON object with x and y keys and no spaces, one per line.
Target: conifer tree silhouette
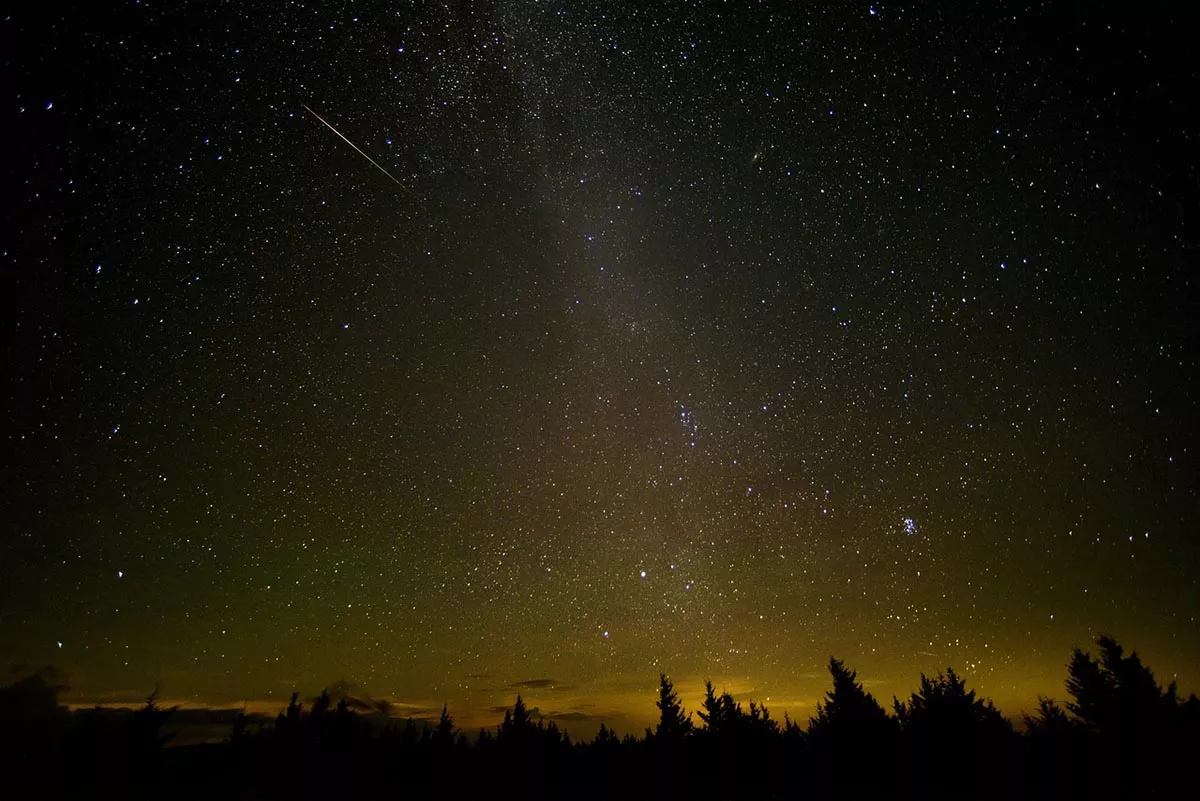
{"x":320,"y":707}
{"x":1055,"y":749}
{"x":605,"y":738}
{"x":673,"y":724}
{"x":710,"y":708}
{"x":144,"y":739}
{"x":520,"y":719}
{"x":945,"y":709}
{"x":851,"y":729}
{"x":848,"y":709}
{"x":1115,"y":737}
{"x":516,"y":727}
{"x":294,"y":710}
{"x":721,"y":713}
{"x":1051,"y":720}
{"x":443,"y":734}
{"x":1116,"y":694}
{"x":954,"y":731}
{"x":793,"y":733}
{"x":1137,"y":724}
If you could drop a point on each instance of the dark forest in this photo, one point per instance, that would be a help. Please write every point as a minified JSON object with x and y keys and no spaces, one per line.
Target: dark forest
{"x":1119,"y":734}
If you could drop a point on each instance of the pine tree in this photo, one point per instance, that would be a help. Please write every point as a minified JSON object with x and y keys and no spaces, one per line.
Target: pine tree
{"x":1117,"y":693}
{"x":144,"y":739}
{"x":443,"y":734}
{"x":605,"y":738}
{"x":951,"y":733}
{"x":945,"y":705}
{"x":1050,"y":720}
{"x":711,"y":709}
{"x":294,"y":710}
{"x":724,"y":717}
{"x":520,"y":718}
{"x":517,"y":724}
{"x":793,"y":734}
{"x":1091,"y":690}
{"x":760,"y":721}
{"x":673,"y":724}
{"x":848,"y":709}
{"x":850,"y":728}
{"x":320,"y":708}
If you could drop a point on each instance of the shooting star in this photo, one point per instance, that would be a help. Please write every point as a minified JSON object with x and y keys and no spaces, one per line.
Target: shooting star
{"x":378,"y":166}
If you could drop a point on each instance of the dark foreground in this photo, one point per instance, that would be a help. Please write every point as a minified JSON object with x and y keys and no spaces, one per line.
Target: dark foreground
{"x":1120,"y":736}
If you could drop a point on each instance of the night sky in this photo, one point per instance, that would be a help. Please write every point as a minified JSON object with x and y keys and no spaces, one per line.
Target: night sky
{"x":711,"y":338}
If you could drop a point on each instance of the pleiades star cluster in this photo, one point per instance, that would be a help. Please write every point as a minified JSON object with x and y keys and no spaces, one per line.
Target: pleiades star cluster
{"x":460,"y":349}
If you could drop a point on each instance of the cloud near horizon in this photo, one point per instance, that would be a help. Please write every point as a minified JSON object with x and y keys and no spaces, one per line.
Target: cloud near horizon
{"x":540,"y":684}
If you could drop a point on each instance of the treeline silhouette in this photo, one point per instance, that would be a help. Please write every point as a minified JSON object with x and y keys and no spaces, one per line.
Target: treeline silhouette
{"x":1119,"y":735}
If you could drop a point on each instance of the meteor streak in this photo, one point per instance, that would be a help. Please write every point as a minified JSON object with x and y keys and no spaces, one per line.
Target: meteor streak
{"x":356,"y":147}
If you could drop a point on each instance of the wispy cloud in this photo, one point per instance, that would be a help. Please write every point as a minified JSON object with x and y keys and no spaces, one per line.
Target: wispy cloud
{"x":540,"y":684}
{"x":575,"y":717}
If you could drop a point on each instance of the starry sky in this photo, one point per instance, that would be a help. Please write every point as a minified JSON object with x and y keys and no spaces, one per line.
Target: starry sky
{"x":712,"y":338}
